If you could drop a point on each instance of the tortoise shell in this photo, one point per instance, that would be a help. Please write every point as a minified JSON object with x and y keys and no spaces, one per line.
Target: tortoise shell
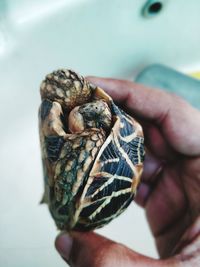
{"x":92,"y":152}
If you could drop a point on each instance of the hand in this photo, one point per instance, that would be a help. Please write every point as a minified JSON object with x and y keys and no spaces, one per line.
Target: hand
{"x":170,"y":187}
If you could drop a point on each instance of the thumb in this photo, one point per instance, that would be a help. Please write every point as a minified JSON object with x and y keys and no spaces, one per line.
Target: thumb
{"x":93,"y":250}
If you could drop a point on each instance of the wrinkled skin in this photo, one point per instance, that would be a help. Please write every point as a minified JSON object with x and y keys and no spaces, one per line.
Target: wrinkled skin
{"x":170,"y":188}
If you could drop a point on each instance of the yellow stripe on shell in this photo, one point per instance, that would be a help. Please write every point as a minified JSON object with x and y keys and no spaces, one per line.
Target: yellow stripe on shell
{"x":109,"y":181}
{"x":107,"y":201}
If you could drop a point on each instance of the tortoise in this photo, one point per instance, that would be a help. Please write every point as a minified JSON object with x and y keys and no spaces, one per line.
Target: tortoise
{"x":92,"y":152}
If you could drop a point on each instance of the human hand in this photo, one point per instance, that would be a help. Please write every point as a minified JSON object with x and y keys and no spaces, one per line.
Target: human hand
{"x":170,"y":186}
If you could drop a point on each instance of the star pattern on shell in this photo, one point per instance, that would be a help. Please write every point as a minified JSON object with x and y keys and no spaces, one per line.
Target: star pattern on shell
{"x":92,"y":152}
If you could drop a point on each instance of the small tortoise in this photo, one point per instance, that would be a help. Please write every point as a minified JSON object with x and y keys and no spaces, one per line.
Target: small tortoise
{"x":92,"y":152}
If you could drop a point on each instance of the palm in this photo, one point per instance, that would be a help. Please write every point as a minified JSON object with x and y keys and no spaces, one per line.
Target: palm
{"x":172,"y":197}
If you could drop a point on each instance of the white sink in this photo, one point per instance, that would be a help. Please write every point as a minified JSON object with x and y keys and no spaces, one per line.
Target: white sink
{"x":106,"y":38}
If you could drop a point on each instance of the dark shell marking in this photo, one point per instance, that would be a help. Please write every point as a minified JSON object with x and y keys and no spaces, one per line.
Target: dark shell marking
{"x":91,"y":176}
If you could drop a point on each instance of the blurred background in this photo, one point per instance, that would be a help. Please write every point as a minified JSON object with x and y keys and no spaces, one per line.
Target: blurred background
{"x":129,"y":39}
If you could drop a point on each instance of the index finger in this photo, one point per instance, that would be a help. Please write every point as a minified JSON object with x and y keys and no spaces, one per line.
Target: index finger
{"x":178,"y":121}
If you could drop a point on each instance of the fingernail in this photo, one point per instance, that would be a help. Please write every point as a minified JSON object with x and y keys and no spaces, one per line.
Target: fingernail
{"x":143,"y":193}
{"x":63,"y":245}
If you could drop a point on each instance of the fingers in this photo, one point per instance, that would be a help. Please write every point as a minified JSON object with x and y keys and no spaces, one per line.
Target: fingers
{"x":152,"y":167}
{"x":178,"y":121}
{"x":143,"y":194}
{"x":157,"y":144}
{"x":81,"y":249}
{"x":92,"y":250}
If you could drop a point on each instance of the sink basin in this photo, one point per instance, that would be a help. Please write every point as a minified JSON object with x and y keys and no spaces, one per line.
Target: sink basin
{"x":105,"y":38}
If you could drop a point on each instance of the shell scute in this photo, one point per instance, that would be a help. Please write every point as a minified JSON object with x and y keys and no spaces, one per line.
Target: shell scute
{"x":92,"y":152}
